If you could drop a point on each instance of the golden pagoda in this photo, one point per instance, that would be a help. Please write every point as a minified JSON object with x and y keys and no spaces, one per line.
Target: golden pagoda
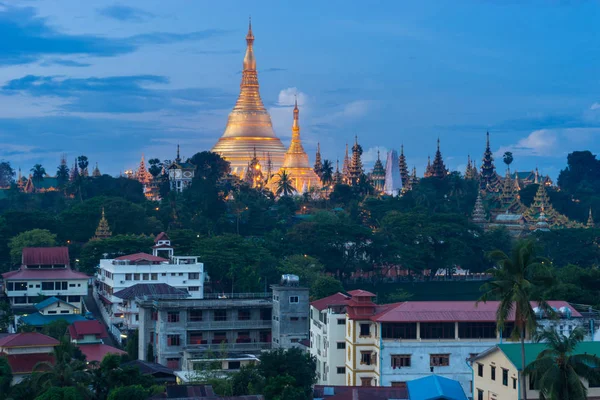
{"x":249,"y":125}
{"x":296,"y":164}
{"x":103,"y":230}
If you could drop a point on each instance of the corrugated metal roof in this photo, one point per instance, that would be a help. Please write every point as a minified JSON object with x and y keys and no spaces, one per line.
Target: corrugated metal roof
{"x":49,"y":301}
{"x":161,"y":236}
{"x":27,"y":339}
{"x":96,"y":352}
{"x":26,"y":274}
{"x":79,"y":329}
{"x":45,"y":256}
{"x":24,"y":363}
{"x":155,"y":290}
{"x":141,"y":257}
{"x":532,"y":350}
{"x":337,"y":299}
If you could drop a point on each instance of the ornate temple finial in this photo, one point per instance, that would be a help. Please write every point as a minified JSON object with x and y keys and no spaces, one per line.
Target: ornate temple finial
{"x":487,"y":143}
{"x":438,"y":143}
{"x":379,"y":158}
{"x":402,"y":149}
{"x":249,"y":35}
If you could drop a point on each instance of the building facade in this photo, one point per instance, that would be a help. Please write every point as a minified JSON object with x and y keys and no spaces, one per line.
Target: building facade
{"x":290,"y":309}
{"x":45,"y":271}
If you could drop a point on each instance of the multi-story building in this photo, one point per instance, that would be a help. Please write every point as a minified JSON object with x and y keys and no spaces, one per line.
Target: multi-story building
{"x":290,"y":309}
{"x":388,"y":345}
{"x":114,"y":275}
{"x":183,"y":334}
{"x":497,"y":372}
{"x":328,"y":338}
{"x":45,"y":271}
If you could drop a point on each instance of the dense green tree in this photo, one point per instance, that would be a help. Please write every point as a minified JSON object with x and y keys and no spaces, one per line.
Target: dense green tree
{"x":155,"y":167}
{"x":82,"y":162}
{"x":113,"y":246}
{"x":513,"y":283}
{"x":61,"y":393}
{"x":7,"y":174}
{"x":32,"y":238}
{"x":284,"y":185}
{"x":327,"y":173}
{"x":247,"y":381}
{"x":570,"y":246}
{"x":558,"y":371}
{"x":62,"y":175}
{"x":576,"y":284}
{"x":133,"y":392}
{"x":56,"y":329}
{"x":37,"y":173}
{"x":324,"y":286}
{"x":6,"y":377}
{"x":307,"y":268}
{"x":582,"y":174}
{"x":132,"y":345}
{"x":88,"y":187}
{"x":295,"y":366}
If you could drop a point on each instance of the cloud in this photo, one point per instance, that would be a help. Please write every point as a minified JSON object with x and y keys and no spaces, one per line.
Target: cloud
{"x":125,"y":13}
{"x":118,"y":94}
{"x":287,"y":97}
{"x":551,"y":142}
{"x":370,"y":156}
{"x":28,"y":37}
{"x":595,"y":106}
{"x":63,"y":62}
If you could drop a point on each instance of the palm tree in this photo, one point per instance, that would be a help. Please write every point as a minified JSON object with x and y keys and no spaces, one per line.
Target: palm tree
{"x":508,"y":158}
{"x":513,"y":283}
{"x":327,"y":173}
{"x":558,"y":369}
{"x":38,"y":172}
{"x":284,"y":185}
{"x":62,"y":174}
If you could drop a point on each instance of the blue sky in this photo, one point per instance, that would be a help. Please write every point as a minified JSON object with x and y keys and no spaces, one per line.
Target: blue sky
{"x":115,"y":80}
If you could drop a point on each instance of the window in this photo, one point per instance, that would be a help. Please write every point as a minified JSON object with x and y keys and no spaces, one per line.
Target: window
{"x":194,"y":289}
{"x":400,"y":360}
{"x":37,"y":286}
{"x":154,"y":316}
{"x":233,"y":365}
{"x":173,"y":274}
{"x":514,"y":383}
{"x":220,"y":315}
{"x":11,"y":286}
{"x":479,"y":394}
{"x":145,"y":277}
{"x":504,"y":377}
{"x":243,"y":315}
{"x":70,"y":285}
{"x":477,"y":330}
{"x":74,"y":299}
{"x":365,"y":329}
{"x":173,"y":316}
{"x":493,"y":372}
{"x":51,"y":312}
{"x":276,"y":298}
{"x":480,"y":370}
{"x":154,"y":276}
{"x":136,"y":277}
{"x":399,"y":330}
{"x":365,"y":357}
{"x":341,"y":370}
{"x":365,"y":381}
{"x":64,"y":311}
{"x":163,"y":274}
{"x":45,"y":286}
{"x":341,"y":345}
{"x":180,"y":274}
{"x":219,"y":337}
{"x":439,"y":360}
{"x":127,"y":277}
{"x":437,"y":330}
{"x":137,"y":317}
{"x":265,"y":314}
{"x":194,"y":275}
{"x":173,"y":363}
{"x":21,"y":286}
{"x":195,"y":338}
{"x":173,"y":340}
{"x":399,"y":384}
{"x":294,"y":319}
{"x":341,"y":321}
{"x":294,"y":299}
{"x":195,"y":315}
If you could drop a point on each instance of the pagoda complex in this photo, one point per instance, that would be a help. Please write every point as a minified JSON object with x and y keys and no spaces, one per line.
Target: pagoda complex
{"x":295,"y":162}
{"x":249,"y":126}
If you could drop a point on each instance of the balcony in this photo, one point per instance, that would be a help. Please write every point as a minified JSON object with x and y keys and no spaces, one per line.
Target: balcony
{"x":232,"y":324}
{"x":201,"y":348}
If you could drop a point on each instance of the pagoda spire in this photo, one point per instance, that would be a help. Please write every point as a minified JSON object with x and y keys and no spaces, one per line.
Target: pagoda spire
{"x":355,"y":171}
{"x":590,"y":221}
{"x":142,"y":174}
{"x":96,"y":171}
{"x":346,"y":166}
{"x":404,"y":174}
{"x":469,"y":172}
{"x":254,"y":176}
{"x":378,"y":174}
{"x":414,"y":180}
{"x":74,"y":171}
{"x":337,"y":176}
{"x":438,"y":168}
{"x":488,"y":178}
{"x":478,"y":217}
{"x":178,"y":158}
{"x":428,"y":170}
{"x":103,"y":230}
{"x":318,"y":168}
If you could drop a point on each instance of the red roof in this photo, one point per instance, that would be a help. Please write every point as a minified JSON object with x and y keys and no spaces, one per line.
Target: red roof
{"x":450,"y":311}
{"x":96,"y":352}
{"x":141,"y":257}
{"x":360,"y":392}
{"x":337,"y":299}
{"x":161,"y":236}
{"x":78,"y":329}
{"x":45,"y":256}
{"x":26,"y":274}
{"x":360,"y":293}
{"x":24,"y":363}
{"x":27,"y":339}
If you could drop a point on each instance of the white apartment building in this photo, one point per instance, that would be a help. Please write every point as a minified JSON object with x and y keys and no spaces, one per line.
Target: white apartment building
{"x":44,"y":272}
{"x":161,"y":267}
{"x":389,"y":345}
{"x":328,"y":338}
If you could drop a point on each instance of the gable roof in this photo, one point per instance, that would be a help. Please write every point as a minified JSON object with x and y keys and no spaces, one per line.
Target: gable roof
{"x":28,"y":339}
{"x":58,"y":273}
{"x":49,"y":301}
{"x":156,"y":290}
{"x":361,"y":293}
{"x":435,"y":387}
{"x":149,"y":368}
{"x":512,"y":351}
{"x":141,"y":257}
{"x":337,"y":299}
{"x":161,"y":236}
{"x":79,"y":329}
{"x":96,"y":352}
{"x":45,"y":256}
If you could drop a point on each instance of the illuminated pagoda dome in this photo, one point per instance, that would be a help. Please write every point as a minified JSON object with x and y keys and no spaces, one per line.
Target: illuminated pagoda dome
{"x":296,"y":164}
{"x":103,"y":230}
{"x":488,"y":178}
{"x":378,"y":174}
{"x":249,"y":125}
{"x":510,"y":200}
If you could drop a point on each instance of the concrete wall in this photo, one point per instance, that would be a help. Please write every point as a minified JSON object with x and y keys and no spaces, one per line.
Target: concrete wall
{"x":58,"y":308}
{"x":75,"y":287}
{"x":27,"y":350}
{"x":290,"y":322}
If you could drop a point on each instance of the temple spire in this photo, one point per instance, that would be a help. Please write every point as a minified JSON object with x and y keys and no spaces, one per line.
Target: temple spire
{"x":355,"y":170}
{"x":590,"y":221}
{"x":478,"y":216}
{"x":96,"y":171}
{"x":103,"y":230}
{"x":318,"y":167}
{"x":378,"y":174}
{"x":346,"y":165}
{"x":178,"y":158}
{"x":404,"y":174}
{"x":489,"y":179}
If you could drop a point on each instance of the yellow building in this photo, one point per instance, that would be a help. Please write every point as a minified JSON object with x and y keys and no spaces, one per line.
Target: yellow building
{"x":296,"y":164}
{"x":497,"y":376}
{"x":249,"y":126}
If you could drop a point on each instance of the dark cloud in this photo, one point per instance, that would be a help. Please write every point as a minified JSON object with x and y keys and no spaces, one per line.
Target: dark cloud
{"x":26,"y":38}
{"x":125,"y":13}
{"x":119,"y":94}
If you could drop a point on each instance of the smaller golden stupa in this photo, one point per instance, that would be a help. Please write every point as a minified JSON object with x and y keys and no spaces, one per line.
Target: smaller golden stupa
{"x":295,"y":162}
{"x":103,"y":230}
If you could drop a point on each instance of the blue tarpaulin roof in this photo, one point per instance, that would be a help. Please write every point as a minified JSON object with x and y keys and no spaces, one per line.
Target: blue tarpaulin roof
{"x":38,"y":319}
{"x":435,"y":387}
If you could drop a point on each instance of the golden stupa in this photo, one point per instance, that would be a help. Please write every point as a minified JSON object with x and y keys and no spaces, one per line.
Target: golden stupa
{"x":249,"y":126}
{"x":296,"y":164}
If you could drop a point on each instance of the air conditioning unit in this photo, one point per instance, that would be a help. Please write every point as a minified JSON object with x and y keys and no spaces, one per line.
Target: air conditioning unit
{"x":184,"y":281}
{"x":122,"y":281}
